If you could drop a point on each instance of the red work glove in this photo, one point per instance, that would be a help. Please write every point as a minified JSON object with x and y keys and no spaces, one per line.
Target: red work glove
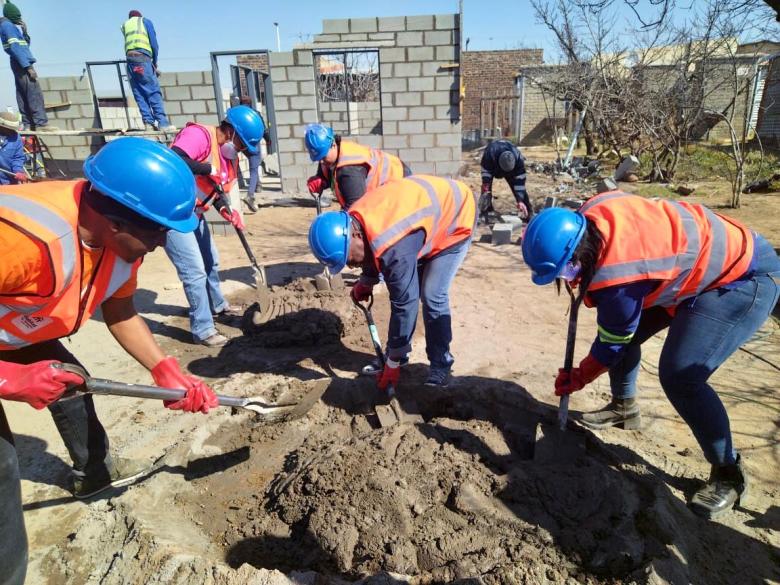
{"x":485,"y":188}
{"x":199,"y":397}
{"x":361,"y":291}
{"x":589,"y":369}
{"x":234,"y":218}
{"x":390,"y":375}
{"x":522,"y":210}
{"x":21,"y":176}
{"x":316,"y":185}
{"x":37,"y":384}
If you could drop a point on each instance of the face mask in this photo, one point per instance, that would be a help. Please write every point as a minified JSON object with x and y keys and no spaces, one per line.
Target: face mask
{"x":570,"y":272}
{"x":228,"y":150}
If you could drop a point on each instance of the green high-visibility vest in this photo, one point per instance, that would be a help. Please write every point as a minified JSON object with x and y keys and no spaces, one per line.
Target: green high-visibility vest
{"x":136,"y":36}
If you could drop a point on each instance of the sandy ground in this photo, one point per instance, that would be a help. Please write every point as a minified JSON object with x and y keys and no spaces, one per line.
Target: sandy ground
{"x":333,"y":498}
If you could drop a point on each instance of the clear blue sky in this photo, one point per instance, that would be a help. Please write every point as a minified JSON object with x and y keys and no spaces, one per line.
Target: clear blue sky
{"x":65,"y":34}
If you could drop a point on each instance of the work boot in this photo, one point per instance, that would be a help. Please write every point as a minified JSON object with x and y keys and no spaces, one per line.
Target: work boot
{"x":47,"y":128}
{"x":620,"y":412}
{"x":216,"y":340}
{"x":122,"y":472}
{"x":170,"y":128}
{"x":375,"y":367}
{"x":149,"y":127}
{"x":230,"y":312}
{"x":726,"y":487}
{"x":438,"y":377}
{"x":250,"y":204}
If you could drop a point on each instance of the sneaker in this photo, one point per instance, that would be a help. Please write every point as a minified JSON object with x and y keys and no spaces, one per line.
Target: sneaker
{"x":47,"y":128}
{"x":123,"y":472}
{"x":375,"y":367}
{"x":620,"y":412}
{"x":726,"y":487}
{"x":216,"y":340}
{"x":230,"y":311}
{"x":169,"y":128}
{"x":250,"y":204}
{"x":148,"y":127}
{"x":438,"y":377}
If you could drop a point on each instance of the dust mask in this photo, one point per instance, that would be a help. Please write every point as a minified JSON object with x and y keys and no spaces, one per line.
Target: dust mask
{"x":570,"y":272}
{"x":228,"y":150}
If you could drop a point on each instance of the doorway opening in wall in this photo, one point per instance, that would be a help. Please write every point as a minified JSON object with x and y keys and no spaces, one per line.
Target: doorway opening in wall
{"x":349,"y":91}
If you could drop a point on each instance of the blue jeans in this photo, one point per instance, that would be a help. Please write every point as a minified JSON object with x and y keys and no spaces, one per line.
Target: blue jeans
{"x":254,"y":174}
{"x":436,"y":276}
{"x":197,"y":262}
{"x":146,"y":90}
{"x":703,"y":333}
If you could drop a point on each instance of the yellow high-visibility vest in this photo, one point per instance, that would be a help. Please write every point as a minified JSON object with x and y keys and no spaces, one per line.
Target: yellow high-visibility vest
{"x":136,"y":36}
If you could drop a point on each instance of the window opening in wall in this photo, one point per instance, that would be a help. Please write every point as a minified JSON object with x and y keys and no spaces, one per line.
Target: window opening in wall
{"x":348,"y":91}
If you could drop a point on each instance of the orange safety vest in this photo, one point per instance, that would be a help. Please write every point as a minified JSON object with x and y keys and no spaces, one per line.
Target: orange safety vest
{"x":444,"y":209}
{"x":48,"y":213}
{"x":222,"y":176}
{"x":687,"y":247}
{"x":382,"y":167}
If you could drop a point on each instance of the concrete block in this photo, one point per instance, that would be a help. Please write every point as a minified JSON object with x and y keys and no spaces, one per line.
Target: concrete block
{"x":302,"y":102}
{"x":397,"y":141}
{"x":298,"y":131}
{"x":438,"y":37}
{"x":395,"y":84}
{"x":286,"y":159}
{"x":79,"y":123}
{"x":381,"y":36}
{"x":448,"y":168}
{"x":411,"y":128}
{"x":211,"y":106}
{"x":449,"y":82}
{"x":438,"y":154}
{"x":61,"y":152}
{"x":202,"y":92}
{"x":68,"y":141}
{"x":420,"y":53}
{"x":327,"y":38}
{"x":194,"y":107}
{"x":421,"y":113}
{"x":389,"y":128}
{"x":362,"y":25}
{"x":43,"y":83}
{"x":180,"y":120}
{"x":297,"y":171}
{"x":190,"y":78}
{"x":283,"y":59}
{"x":167,"y":80}
{"x":211,"y":119}
{"x":302,"y":159}
{"x":392,"y":23}
{"x":279,"y":74}
{"x":173,"y":108}
{"x":66,"y":83}
{"x":309,"y":116}
{"x":335,"y":25}
{"x":54,"y":97}
{"x":208,"y":78}
{"x":300,"y":73}
{"x":372,"y":140}
{"x":431,"y":69}
{"x":306,"y":88}
{"x":303,"y":57}
{"x":605,"y":185}
{"x":421,"y":140}
{"x":352,"y":37}
{"x":626,"y":166}
{"x":291,"y":145}
{"x":283,"y":132}
{"x":282,"y":88}
{"x":281,"y":103}
{"x":438,"y":126}
{"x":397,"y":55}
{"x":443,"y":112}
{"x":410,"y":98}
{"x":291,"y":117}
{"x":445,"y":21}
{"x":449,"y":140}
{"x":409,"y":39}
{"x":397,"y":113}
{"x":407,"y":69}
{"x":436,"y":98}
{"x":67,"y":113}
{"x":423,"y":168}
{"x":82,"y":152}
{"x":178,"y":93}
{"x":501,"y":234}
{"x":412,"y":154}
{"x":424,"y":22}
{"x":421,"y":84}
{"x":447,"y":54}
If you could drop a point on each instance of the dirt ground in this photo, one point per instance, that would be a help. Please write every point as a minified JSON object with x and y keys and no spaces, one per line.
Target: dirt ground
{"x":334,"y":498}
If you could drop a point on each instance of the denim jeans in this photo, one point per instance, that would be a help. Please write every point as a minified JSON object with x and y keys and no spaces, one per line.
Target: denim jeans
{"x":254,"y":174}
{"x":13,"y":537}
{"x":29,"y":98}
{"x":146,"y":90}
{"x":197,"y":262}
{"x":703,"y":333}
{"x":436,"y":276}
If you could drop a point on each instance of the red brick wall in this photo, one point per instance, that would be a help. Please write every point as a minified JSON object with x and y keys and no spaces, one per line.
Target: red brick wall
{"x":258,"y":62}
{"x":494,"y":72}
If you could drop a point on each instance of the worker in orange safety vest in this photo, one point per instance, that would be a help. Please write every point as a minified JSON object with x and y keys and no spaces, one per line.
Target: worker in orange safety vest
{"x":68,"y":249}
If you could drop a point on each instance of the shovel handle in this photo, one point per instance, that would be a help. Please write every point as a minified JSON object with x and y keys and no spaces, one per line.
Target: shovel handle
{"x":366,"y":309}
{"x":568,"y":358}
{"x":100,"y":386}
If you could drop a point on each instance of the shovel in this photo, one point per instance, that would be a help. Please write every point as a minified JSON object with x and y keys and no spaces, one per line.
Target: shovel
{"x":266,"y":412}
{"x":554,"y":444}
{"x":392,"y":413}
{"x":326,"y":280}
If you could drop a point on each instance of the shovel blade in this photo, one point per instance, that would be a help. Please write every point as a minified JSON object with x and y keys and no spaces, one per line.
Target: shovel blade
{"x":556,"y":446}
{"x":280,"y":413}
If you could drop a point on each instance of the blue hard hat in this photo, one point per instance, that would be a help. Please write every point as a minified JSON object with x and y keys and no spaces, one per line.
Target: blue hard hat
{"x":147,"y":177}
{"x":249,"y":126}
{"x":318,"y":139}
{"x":549,"y":242}
{"x":329,"y":237}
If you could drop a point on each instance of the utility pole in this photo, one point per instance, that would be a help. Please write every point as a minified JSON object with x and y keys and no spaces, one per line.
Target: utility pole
{"x":278,"y":41}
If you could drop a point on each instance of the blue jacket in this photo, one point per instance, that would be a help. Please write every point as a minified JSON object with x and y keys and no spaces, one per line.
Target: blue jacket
{"x":491,"y":170}
{"x":11,"y":157}
{"x":16,"y":43}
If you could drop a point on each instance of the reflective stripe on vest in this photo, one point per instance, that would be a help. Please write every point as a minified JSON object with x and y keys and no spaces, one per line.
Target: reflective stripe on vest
{"x":382,"y":167}
{"x":717,"y":250}
{"x":136,"y":36}
{"x":14,"y":41}
{"x":30,"y":319}
{"x":215,"y":160}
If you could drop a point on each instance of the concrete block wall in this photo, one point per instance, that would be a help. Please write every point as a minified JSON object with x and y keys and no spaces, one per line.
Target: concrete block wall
{"x":419,"y":61}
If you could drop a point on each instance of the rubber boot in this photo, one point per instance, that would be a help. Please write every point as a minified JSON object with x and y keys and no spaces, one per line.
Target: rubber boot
{"x":726,"y":486}
{"x":620,"y":412}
